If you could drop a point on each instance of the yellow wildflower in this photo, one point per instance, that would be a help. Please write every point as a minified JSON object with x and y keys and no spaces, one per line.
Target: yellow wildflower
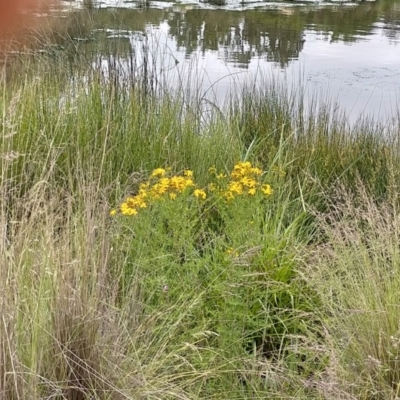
{"x":221,"y":176}
{"x":178,"y":183}
{"x":172,"y":196}
{"x":130,"y":202}
{"x":229,"y":196}
{"x":249,"y":182}
{"x":143,"y":187}
{"x":199,"y":193}
{"x":113,"y":212}
{"x":252,"y":191}
{"x":189,"y":183}
{"x":188,"y":173}
{"x":126,"y":209}
{"x":164,"y":182}
{"x":135,"y":202}
{"x":267,"y":190}
{"x":158,"y":173}
{"x":140,"y":202}
{"x":212,"y":187}
{"x":143,"y":193}
{"x":212,"y":170}
{"x":160,"y":188}
{"x":241,"y":169}
{"x":235,"y":187}
{"x":256,"y":171}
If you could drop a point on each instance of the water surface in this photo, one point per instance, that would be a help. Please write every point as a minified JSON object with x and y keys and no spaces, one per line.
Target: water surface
{"x":342,"y":51}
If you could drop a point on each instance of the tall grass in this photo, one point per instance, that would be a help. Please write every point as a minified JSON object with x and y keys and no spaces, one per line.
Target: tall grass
{"x":294,"y":297}
{"x":355,"y":271}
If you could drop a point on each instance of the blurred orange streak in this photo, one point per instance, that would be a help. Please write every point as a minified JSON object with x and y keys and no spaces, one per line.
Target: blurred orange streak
{"x":17,"y":15}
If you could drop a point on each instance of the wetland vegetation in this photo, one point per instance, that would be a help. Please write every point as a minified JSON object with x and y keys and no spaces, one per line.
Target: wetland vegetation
{"x":148,"y":252}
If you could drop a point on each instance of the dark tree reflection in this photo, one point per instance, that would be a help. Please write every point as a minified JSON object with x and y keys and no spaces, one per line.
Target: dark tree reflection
{"x":276,"y":35}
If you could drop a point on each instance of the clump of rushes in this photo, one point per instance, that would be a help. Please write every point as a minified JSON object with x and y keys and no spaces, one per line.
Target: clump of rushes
{"x":244,"y":180}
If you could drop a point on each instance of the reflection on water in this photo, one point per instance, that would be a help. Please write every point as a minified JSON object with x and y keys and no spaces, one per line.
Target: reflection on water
{"x":349,"y":50}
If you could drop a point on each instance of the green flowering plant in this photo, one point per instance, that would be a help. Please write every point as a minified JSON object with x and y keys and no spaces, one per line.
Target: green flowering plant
{"x":186,"y":221}
{"x":213,"y":248}
{"x":173,"y":210}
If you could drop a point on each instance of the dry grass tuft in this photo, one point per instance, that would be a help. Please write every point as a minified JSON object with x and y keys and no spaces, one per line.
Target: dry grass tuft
{"x":357,"y":275}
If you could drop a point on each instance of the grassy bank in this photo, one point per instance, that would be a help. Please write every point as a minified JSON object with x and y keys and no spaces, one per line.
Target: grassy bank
{"x":287,"y":293}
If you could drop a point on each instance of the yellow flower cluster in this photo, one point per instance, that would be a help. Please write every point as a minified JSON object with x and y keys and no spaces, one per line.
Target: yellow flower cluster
{"x":200,"y":193}
{"x":243,"y":180}
{"x":159,"y":186}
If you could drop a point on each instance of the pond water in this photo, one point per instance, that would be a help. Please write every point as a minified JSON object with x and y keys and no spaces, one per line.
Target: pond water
{"x":346,"y":52}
